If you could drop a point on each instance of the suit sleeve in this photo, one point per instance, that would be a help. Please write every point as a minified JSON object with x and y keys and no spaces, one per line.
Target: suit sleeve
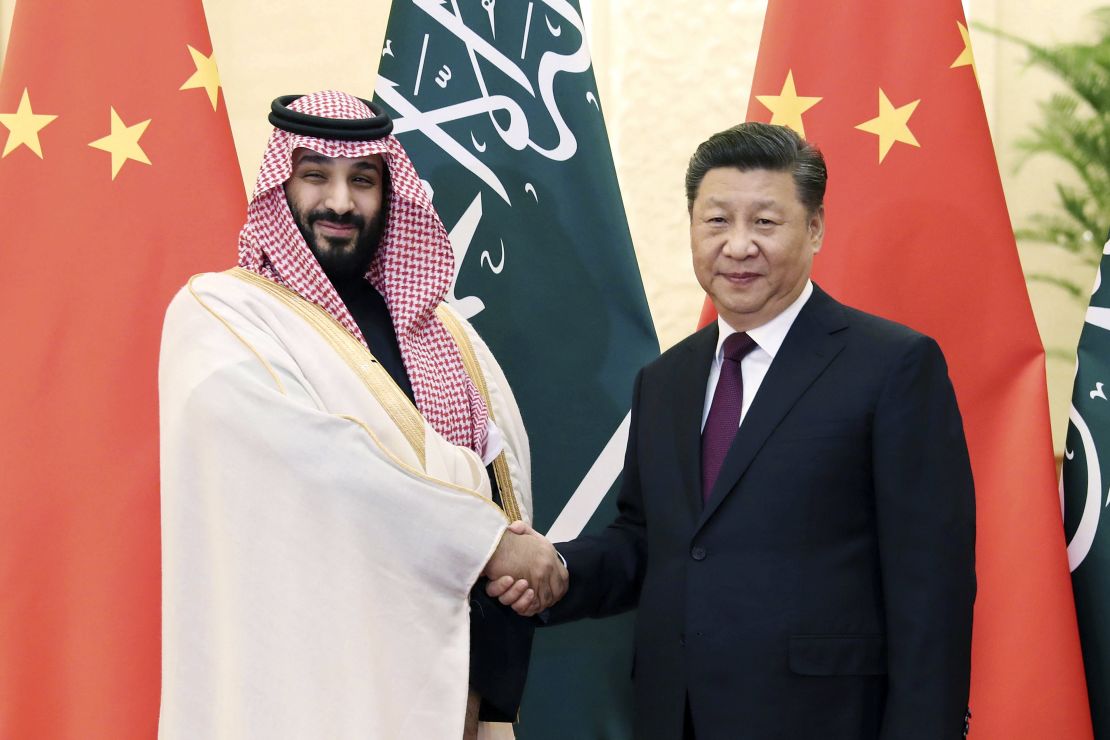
{"x":925,"y":511}
{"x":607,"y":569}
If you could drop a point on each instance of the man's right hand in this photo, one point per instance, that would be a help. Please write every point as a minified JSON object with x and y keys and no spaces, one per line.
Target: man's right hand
{"x":529,"y":571}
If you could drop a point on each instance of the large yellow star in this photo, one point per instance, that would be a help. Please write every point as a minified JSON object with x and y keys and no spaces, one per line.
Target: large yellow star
{"x":123,"y":143}
{"x":206,"y":76}
{"x":966,"y":58}
{"x":891,"y":124}
{"x":24,"y":126}
{"x":787,"y":107}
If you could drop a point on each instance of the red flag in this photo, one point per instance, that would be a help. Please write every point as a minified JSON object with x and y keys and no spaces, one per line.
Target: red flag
{"x":917,"y":231}
{"x":118,"y":180}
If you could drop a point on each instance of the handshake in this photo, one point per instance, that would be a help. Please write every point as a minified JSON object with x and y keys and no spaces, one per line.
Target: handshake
{"x":525,"y":572}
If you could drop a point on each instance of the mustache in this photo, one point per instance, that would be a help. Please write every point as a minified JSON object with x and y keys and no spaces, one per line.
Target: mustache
{"x":346,"y":219}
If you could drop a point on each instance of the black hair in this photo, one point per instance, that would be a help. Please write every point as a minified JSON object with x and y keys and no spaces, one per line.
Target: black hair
{"x":761,"y":146}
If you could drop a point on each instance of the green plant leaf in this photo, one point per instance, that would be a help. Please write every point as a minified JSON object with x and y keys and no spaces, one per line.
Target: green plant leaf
{"x":1075,"y":129}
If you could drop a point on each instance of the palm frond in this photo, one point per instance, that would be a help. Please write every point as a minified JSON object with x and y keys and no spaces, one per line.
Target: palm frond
{"x":1059,"y":282}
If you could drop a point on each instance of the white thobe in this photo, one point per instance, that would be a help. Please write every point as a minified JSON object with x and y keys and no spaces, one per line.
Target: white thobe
{"x":317,"y":556}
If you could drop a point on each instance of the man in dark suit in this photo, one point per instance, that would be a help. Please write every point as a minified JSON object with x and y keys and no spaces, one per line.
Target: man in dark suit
{"x":796,"y":521}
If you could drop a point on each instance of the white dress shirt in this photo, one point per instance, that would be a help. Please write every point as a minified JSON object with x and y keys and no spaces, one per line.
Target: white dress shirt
{"x":753,"y":368}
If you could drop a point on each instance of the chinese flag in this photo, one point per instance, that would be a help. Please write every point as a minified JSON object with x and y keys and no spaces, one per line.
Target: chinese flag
{"x":118,"y":180}
{"x":917,"y":231}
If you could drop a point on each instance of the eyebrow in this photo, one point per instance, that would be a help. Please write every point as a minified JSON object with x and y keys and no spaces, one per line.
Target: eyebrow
{"x":364,"y":165}
{"x":315,"y":159}
{"x":320,"y":159}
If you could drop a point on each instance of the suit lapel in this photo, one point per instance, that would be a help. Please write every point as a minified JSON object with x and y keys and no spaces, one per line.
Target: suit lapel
{"x":691,"y":376}
{"x":810,"y":345}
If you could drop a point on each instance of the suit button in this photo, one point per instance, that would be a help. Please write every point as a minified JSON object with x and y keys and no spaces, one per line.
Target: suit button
{"x":698,"y":553}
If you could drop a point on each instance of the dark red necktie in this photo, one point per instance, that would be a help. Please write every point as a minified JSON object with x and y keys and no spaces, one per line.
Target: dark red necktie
{"x":724,"y":414}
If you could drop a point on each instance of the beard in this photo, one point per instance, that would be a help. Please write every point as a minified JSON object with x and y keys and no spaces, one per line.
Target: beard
{"x":343,"y":259}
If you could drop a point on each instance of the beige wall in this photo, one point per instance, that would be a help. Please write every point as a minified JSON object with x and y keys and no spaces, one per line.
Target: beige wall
{"x":1011,"y":93}
{"x":691,"y":56}
{"x":6,"y":8}
{"x":671,"y":84}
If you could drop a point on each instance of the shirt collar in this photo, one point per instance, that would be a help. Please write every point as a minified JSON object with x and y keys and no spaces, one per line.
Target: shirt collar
{"x":771,"y":335}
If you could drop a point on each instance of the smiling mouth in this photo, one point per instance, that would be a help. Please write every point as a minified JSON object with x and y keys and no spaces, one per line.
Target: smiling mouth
{"x":330,"y":227}
{"x":739,"y":278}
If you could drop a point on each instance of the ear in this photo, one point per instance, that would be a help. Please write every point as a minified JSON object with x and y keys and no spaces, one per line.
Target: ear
{"x":816,"y":228}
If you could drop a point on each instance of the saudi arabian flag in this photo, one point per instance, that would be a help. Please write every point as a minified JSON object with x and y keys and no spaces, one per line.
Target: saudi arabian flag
{"x":496,"y":103}
{"x":1084,"y":487}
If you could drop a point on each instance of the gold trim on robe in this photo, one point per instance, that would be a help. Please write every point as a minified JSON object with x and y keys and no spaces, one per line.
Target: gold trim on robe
{"x":474,"y":370}
{"x":376,"y":378}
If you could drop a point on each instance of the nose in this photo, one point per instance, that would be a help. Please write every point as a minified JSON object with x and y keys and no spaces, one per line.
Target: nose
{"x":338,"y":197}
{"x":740,"y":243}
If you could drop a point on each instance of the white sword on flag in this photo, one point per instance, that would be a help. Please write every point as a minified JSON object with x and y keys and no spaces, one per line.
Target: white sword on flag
{"x":599,"y":479}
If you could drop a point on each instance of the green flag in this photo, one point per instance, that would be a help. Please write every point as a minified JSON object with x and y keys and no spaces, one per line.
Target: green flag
{"x":497,"y":105}
{"x":1084,"y":484}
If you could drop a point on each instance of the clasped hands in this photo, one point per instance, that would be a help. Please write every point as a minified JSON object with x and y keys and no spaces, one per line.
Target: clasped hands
{"x":525,"y":572}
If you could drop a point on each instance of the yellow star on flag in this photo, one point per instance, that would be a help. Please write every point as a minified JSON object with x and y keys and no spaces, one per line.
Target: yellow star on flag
{"x":123,"y":143}
{"x":966,"y":58}
{"x":787,"y":107}
{"x":206,"y":76}
{"x":24,"y":126}
{"x":891,"y":124}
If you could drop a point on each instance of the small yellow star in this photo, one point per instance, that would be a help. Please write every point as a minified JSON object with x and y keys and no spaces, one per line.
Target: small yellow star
{"x":123,"y":143}
{"x":787,"y":107}
{"x":206,"y":76}
{"x":891,"y":124}
{"x":966,"y":58}
{"x":24,"y":126}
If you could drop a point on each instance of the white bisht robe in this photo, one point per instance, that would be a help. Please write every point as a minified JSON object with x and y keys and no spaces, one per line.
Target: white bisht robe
{"x":319,"y":539}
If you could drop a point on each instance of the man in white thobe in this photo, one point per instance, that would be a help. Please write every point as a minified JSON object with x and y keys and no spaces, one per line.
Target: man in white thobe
{"x":341,"y":457}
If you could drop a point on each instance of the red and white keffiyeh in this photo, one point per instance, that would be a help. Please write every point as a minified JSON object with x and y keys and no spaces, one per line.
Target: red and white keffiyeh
{"x":412,"y":269}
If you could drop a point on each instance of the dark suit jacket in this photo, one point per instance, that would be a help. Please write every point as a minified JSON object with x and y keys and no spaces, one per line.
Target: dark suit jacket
{"x":825,"y":592}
